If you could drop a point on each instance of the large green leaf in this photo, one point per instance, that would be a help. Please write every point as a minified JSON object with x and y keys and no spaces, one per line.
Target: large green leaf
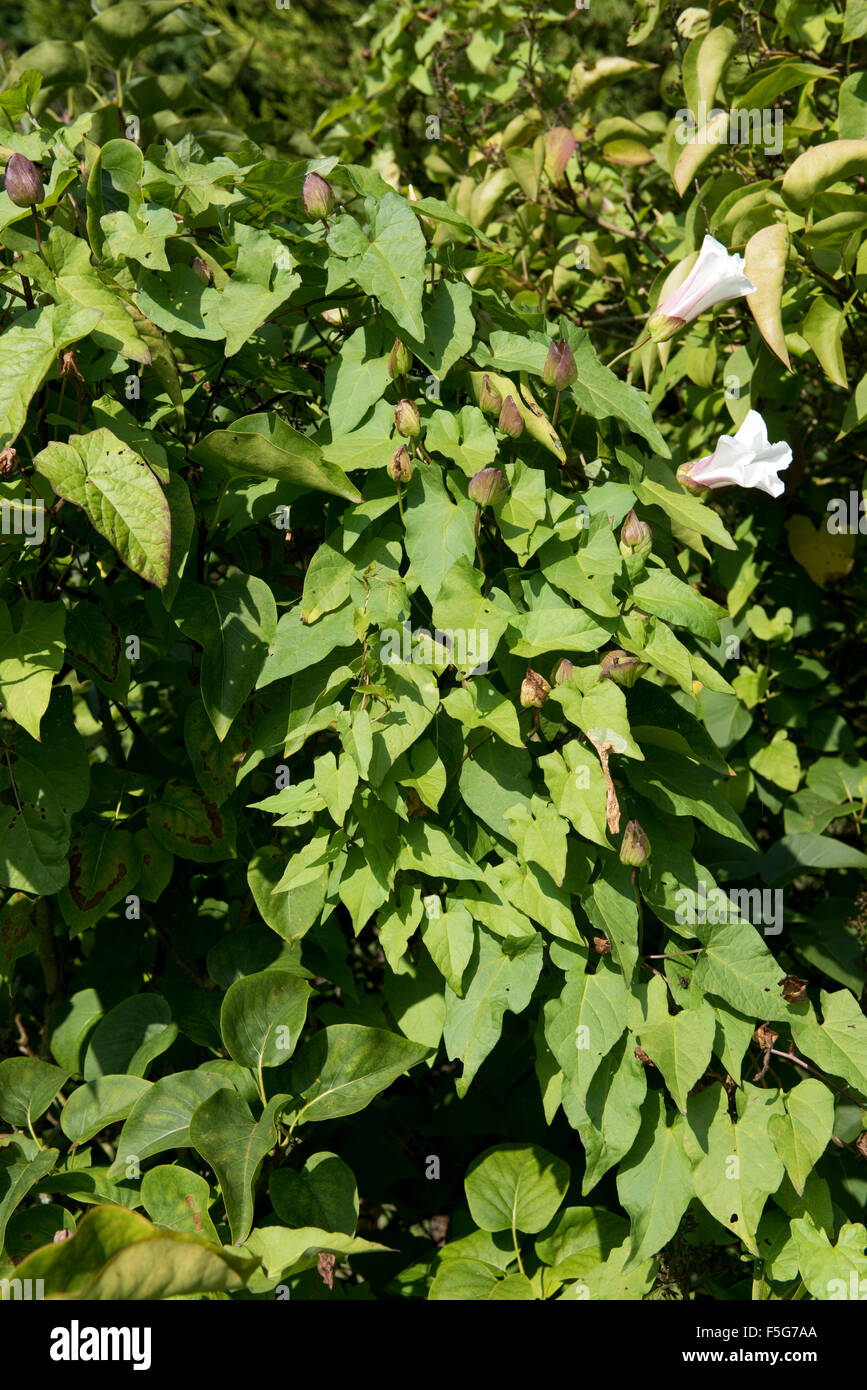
{"x":264,"y":446}
{"x":803,"y":1133}
{"x":392,"y":267}
{"x":100,"y":1103}
{"x":234,"y":624}
{"x":224,"y":1132}
{"x":501,"y":975}
{"x":340,"y":1070}
{"x":117,"y":1255}
{"x":735,"y":1166}
{"x":130,"y":1036}
{"x":28,"y":350}
{"x":31,"y":654}
{"x":839,"y":1044}
{"x":262,"y":1017}
{"x":160,"y":1118}
{"x":322,"y":1194}
{"x":120,"y":494}
{"x":654,"y":1181}
{"x":515,"y":1187}
{"x":27,"y":1088}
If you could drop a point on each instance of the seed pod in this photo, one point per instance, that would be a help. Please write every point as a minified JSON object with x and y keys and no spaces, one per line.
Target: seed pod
{"x":488,"y":486}
{"x":622,"y":668}
{"x":534,"y":690}
{"x":559,"y":369}
{"x":634,"y":847}
{"x":317,"y":198}
{"x":23,"y":184}
{"x":399,"y":359}
{"x":490,"y":401}
{"x":400,"y":466}
{"x":407,"y":420}
{"x":510,"y":421}
{"x":562,"y":671}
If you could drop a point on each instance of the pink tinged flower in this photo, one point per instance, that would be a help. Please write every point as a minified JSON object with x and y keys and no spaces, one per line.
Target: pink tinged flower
{"x":745,"y":459}
{"x":715,"y":277}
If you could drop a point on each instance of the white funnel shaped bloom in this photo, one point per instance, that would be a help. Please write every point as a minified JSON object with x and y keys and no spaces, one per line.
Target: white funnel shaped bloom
{"x":745,"y":459}
{"x":716,"y":276}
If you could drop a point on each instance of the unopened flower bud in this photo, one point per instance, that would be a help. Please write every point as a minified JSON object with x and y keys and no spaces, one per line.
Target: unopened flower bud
{"x":622,"y":668}
{"x":559,"y":369}
{"x":400,"y":466}
{"x":634,"y":848}
{"x":201,"y":268}
{"x":23,"y":184}
{"x":317,"y":197}
{"x":562,"y":671}
{"x":489,"y":400}
{"x":534,"y":690}
{"x":407,"y":420}
{"x":510,"y":421}
{"x":636,"y":537}
{"x":488,"y":487}
{"x":399,"y":359}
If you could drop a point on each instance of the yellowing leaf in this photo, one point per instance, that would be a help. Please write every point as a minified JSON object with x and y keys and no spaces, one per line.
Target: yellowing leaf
{"x":765,"y":264}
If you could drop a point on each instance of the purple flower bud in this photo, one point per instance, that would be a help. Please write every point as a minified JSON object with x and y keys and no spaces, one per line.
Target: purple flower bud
{"x":559,"y":369}
{"x":562,"y":672}
{"x":23,"y":184}
{"x":634,"y":848}
{"x":317,"y":198}
{"x":510,"y":421}
{"x":488,"y":486}
{"x":407,"y":420}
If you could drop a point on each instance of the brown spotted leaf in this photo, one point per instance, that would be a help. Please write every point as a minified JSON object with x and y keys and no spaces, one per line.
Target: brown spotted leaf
{"x":104,"y":867}
{"x":190,"y":824}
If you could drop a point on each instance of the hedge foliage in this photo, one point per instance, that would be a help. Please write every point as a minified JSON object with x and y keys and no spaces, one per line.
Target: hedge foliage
{"x":431,"y":849}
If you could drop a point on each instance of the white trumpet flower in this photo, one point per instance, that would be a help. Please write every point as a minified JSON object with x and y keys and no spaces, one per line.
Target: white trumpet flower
{"x":745,"y":459}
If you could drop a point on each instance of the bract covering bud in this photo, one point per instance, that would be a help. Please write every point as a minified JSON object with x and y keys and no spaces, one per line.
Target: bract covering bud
{"x":407,"y":420}
{"x":510,"y":421}
{"x":562,"y":671}
{"x":559,"y":369}
{"x":634,"y":847}
{"x":23,"y":184}
{"x":399,"y":359}
{"x":317,"y":197}
{"x":488,"y":487}
{"x":636,"y":537}
{"x":489,"y":400}
{"x":400,"y":466}
{"x":201,"y":268}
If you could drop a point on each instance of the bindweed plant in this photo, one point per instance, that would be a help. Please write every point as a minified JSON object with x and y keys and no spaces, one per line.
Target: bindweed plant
{"x":431,"y":776}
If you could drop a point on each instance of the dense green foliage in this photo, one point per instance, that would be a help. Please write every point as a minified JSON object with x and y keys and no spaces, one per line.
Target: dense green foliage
{"x":367,"y":928}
